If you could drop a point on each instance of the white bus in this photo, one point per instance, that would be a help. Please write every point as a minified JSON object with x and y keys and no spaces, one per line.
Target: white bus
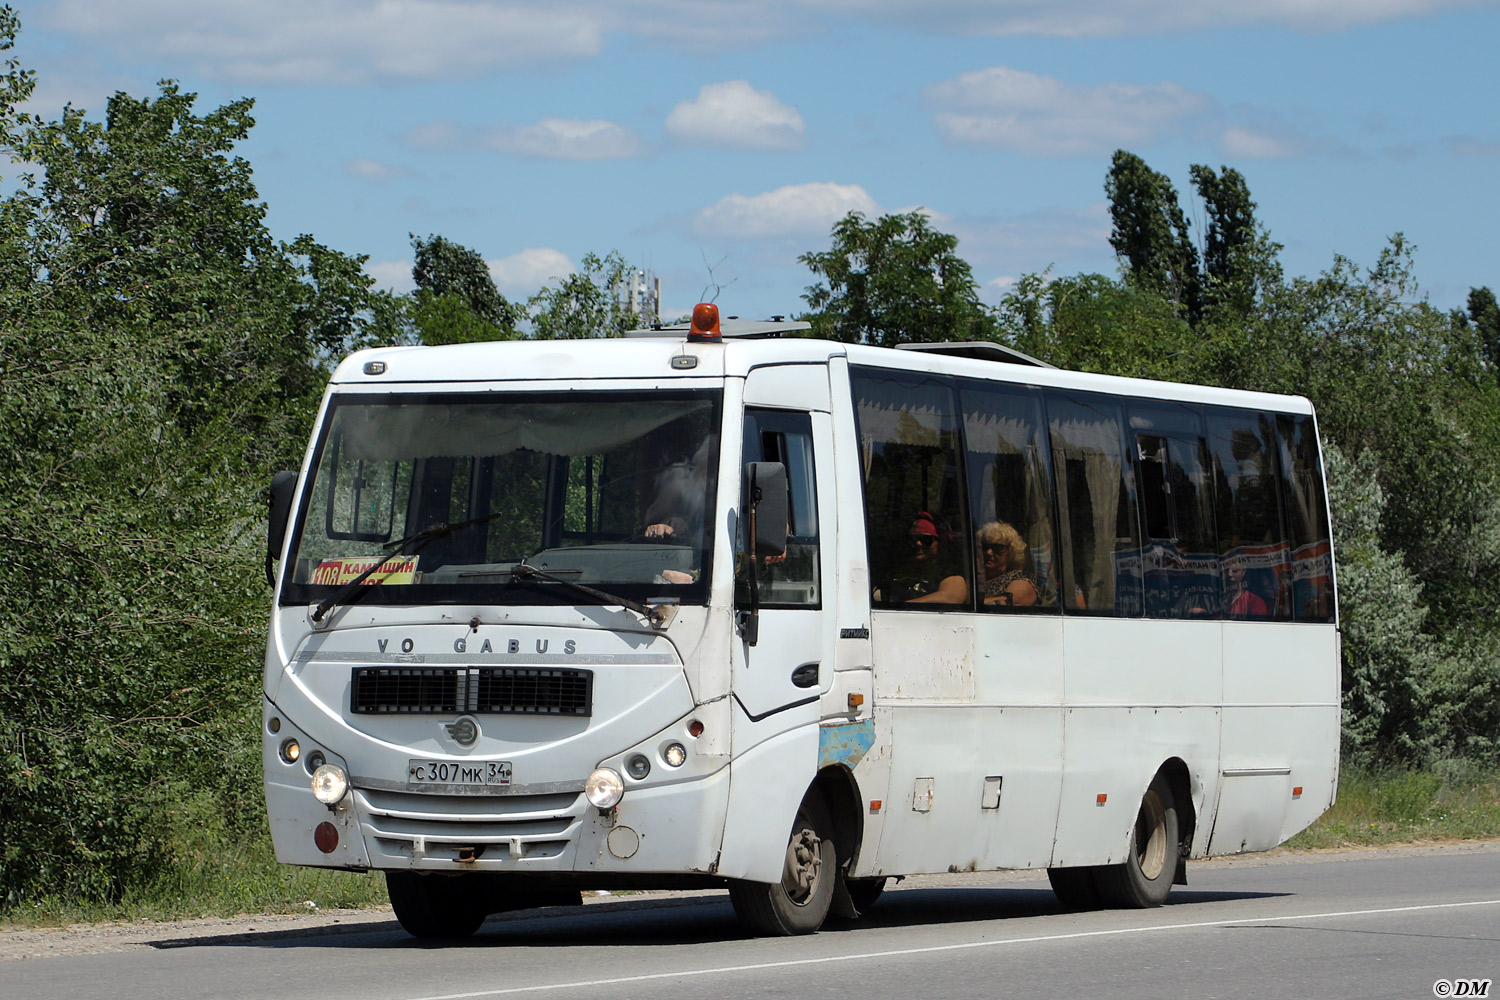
{"x":724,"y":608}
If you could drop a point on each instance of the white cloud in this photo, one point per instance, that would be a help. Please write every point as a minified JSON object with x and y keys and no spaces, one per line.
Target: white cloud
{"x":1038,"y":115}
{"x":1464,"y":145}
{"x":392,"y":275}
{"x":337,"y":41}
{"x":1241,"y":143}
{"x":1124,"y":18}
{"x":794,"y":210}
{"x":548,"y":139}
{"x":436,"y":136}
{"x":373,"y":170}
{"x":521,"y":275}
{"x":736,"y":115}
{"x":567,"y":139}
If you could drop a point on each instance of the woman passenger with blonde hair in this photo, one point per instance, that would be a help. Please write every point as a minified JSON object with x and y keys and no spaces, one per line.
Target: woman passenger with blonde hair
{"x":1002,"y":564}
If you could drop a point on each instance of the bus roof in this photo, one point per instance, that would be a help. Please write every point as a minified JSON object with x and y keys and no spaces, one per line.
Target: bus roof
{"x":459,"y":365}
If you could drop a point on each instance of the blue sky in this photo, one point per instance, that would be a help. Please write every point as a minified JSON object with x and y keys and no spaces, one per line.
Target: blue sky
{"x":715,"y":140}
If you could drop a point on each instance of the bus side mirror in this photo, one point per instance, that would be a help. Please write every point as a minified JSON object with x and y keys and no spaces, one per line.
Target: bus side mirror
{"x":283,"y":488}
{"x":766,"y":497}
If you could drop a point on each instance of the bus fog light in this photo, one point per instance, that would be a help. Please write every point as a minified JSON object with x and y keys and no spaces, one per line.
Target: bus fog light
{"x":329,"y":784}
{"x":290,"y":751}
{"x":675,"y":754}
{"x":604,"y":788}
{"x":638,"y":766}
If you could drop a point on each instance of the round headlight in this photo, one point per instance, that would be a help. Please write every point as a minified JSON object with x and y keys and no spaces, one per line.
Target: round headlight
{"x":638,"y":766}
{"x":290,"y":751}
{"x":329,"y":784}
{"x":674,"y":754}
{"x":314,"y":761}
{"x":604,"y":788}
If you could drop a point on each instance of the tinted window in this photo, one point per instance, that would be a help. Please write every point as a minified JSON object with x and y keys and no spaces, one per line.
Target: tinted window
{"x":1097,"y":529}
{"x":1010,"y":498}
{"x":1307,"y":519}
{"x":915,"y":505}
{"x":1181,"y":551}
{"x":1252,"y":535}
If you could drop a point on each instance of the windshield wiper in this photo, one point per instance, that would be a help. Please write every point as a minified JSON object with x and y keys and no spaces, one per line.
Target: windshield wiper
{"x":525,"y":571}
{"x":351,"y":591}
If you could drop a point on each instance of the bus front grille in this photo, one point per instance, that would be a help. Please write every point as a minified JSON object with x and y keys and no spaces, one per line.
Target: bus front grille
{"x":491,"y":690}
{"x":532,"y":827}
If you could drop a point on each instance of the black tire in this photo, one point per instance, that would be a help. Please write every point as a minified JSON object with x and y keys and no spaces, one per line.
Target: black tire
{"x":1144,"y":878}
{"x":864,"y":892}
{"x":799,"y":903}
{"x":435,"y":907}
{"x":1075,"y":888}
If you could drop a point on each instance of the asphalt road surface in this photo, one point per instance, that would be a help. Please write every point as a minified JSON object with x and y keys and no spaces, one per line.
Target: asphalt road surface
{"x":1403,"y":923}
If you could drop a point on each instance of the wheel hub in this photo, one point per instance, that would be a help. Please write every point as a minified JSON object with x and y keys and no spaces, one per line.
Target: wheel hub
{"x":803,"y":861}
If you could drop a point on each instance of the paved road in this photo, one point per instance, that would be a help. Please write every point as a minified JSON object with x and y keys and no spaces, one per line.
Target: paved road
{"x":1360,"y":924}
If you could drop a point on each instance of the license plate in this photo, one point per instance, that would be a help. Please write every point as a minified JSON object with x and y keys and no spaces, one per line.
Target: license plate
{"x":471,"y":773}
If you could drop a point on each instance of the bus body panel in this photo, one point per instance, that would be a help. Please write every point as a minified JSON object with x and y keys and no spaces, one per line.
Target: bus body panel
{"x":767,"y":784}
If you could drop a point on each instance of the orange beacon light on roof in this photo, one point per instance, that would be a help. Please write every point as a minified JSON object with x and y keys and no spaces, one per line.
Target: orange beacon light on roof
{"x":705,"y":324}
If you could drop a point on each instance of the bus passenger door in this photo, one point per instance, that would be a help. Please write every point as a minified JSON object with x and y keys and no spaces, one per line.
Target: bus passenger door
{"x":776,"y":683}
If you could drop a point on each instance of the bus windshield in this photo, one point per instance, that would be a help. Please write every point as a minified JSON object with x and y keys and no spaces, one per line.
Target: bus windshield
{"x":607,"y":490}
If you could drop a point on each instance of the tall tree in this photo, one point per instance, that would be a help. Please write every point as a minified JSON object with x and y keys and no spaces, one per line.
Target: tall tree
{"x":892,"y":280}
{"x":1484,"y":313}
{"x":456,"y":299}
{"x":1150,"y":233}
{"x":1239,"y":260}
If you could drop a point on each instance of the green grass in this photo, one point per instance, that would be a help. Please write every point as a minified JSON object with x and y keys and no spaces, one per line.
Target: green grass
{"x":212,"y":870}
{"x":215,"y":870}
{"x":1454,"y":801}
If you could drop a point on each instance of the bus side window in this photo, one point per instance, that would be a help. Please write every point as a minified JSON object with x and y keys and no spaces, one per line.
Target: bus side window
{"x":1009,"y":498}
{"x":1098,"y":529}
{"x":916,"y":514}
{"x":1307,"y":515}
{"x":1181,"y":554}
{"x":1252,"y":532}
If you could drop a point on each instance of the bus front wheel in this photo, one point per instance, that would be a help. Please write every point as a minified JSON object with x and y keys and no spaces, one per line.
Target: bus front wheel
{"x":799,"y":903}
{"x":1145,"y":876}
{"x":435,"y":906}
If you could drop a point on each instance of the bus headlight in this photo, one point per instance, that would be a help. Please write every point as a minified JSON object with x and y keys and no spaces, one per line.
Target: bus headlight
{"x":330,"y":784}
{"x":604,"y":788}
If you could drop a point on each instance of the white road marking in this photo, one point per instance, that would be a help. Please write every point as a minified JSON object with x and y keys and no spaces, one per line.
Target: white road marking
{"x":829,"y":959}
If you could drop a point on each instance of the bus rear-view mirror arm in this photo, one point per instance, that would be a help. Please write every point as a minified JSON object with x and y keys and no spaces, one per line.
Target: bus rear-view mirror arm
{"x":768,"y":510}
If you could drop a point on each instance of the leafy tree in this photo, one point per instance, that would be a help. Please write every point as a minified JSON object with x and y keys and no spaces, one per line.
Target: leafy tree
{"x":161,"y":354}
{"x":456,"y":299}
{"x":1239,"y":260}
{"x":1092,"y":323}
{"x":1150,"y":233}
{"x":1485,"y":315}
{"x":584,"y":304}
{"x":892,"y":280}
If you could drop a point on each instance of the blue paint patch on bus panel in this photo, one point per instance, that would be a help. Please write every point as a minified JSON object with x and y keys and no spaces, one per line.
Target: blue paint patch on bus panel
{"x":845,"y":742}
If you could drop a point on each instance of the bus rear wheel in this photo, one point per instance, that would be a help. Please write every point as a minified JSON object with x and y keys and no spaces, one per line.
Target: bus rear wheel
{"x":435,"y":906}
{"x":1075,"y":887}
{"x":799,"y":903}
{"x":1144,"y":878}
{"x":864,"y":892}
